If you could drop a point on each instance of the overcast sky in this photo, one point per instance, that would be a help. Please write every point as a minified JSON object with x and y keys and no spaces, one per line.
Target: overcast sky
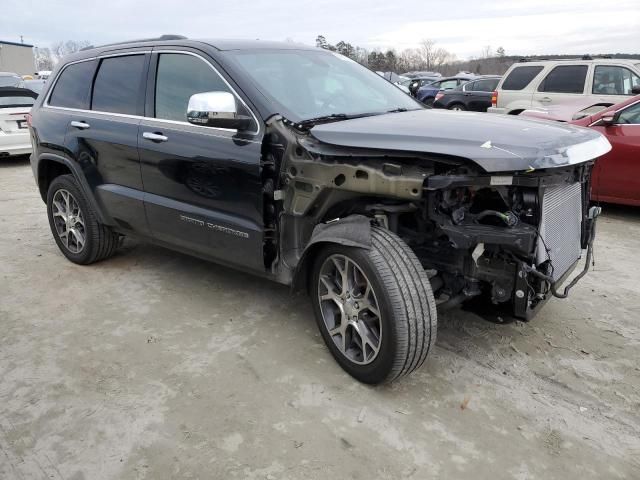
{"x":462,"y":27}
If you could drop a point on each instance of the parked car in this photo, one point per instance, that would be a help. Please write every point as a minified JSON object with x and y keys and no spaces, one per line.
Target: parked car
{"x":616,"y":175}
{"x":10,"y":79}
{"x":421,"y":74}
{"x":306,"y":168}
{"x":15,"y":103}
{"x":35,"y":85}
{"x":420,"y":81}
{"x":474,"y":96}
{"x":547,"y":83}
{"x":427,"y":93}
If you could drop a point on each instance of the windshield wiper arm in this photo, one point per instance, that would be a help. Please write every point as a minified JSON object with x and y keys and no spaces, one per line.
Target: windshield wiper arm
{"x":324,"y":118}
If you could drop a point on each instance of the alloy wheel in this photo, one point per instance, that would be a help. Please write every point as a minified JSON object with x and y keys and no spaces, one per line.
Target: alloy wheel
{"x":350,"y":309}
{"x":69,"y":221}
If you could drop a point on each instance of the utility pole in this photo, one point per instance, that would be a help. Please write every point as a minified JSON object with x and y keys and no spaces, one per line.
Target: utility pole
{"x":21,"y":39}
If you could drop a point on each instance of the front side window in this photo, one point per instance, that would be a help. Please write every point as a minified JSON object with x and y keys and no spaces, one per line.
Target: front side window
{"x":180,"y":76}
{"x":614,"y":80}
{"x":630,"y":116}
{"x":73,"y":85}
{"x":520,"y":77}
{"x":565,"y":79}
{"x":117,"y":85}
{"x":306,"y":84}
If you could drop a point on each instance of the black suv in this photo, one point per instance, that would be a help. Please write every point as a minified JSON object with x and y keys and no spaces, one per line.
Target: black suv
{"x":474,"y":96}
{"x":304,"y":167}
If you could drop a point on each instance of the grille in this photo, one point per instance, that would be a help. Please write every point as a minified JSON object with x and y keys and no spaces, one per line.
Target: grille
{"x":560,"y":227}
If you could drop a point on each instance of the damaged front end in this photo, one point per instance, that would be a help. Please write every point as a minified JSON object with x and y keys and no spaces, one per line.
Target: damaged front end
{"x":505,"y":240}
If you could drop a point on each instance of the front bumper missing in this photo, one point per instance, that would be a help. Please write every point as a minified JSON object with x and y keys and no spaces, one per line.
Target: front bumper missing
{"x":521,"y":301}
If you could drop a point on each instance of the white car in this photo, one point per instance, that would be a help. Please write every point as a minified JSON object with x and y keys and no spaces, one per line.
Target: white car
{"x":15,"y":104}
{"x":549,"y":83}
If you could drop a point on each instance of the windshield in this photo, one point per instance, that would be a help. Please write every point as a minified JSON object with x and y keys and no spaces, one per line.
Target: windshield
{"x":312,"y":84}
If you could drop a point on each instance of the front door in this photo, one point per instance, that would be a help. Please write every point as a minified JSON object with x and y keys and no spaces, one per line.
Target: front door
{"x":202,"y":184}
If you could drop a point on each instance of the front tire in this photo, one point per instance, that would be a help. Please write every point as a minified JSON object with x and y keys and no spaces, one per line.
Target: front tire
{"x":375,"y":308}
{"x":75,"y":228}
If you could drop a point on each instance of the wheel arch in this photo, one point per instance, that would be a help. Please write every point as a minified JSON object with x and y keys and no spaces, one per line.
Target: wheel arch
{"x":351,"y":231}
{"x":51,"y":166}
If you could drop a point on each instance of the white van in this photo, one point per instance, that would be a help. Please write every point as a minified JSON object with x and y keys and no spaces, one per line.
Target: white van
{"x":587,"y":81}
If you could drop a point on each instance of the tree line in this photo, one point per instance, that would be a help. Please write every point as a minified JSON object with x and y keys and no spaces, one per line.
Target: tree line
{"x":429,"y":56}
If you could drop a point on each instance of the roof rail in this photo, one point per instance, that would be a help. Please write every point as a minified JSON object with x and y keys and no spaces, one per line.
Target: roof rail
{"x":155,"y":39}
{"x":560,"y":59}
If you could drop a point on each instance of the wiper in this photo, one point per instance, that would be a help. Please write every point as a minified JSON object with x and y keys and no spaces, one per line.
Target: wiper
{"x":334,"y":117}
{"x":324,"y":118}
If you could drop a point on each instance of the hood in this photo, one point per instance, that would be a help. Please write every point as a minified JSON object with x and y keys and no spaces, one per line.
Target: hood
{"x":497,"y":143}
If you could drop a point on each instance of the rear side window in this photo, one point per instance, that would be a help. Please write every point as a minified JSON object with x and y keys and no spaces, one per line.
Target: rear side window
{"x":488,"y":85}
{"x":180,"y":76}
{"x":520,"y":77}
{"x":73,"y":85}
{"x":565,"y":79}
{"x":447,"y":84}
{"x":117,"y":88}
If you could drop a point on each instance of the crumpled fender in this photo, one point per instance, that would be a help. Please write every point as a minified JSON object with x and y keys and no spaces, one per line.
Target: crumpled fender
{"x":351,"y":231}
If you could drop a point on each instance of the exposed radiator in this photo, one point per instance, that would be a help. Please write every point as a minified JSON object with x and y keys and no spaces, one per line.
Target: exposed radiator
{"x":560,"y":227}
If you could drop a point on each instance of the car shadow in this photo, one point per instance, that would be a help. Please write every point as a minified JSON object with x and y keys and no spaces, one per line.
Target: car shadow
{"x":620,"y":212}
{"x":14,"y":161}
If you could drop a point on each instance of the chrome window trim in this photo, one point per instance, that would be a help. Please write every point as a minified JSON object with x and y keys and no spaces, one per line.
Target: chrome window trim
{"x":45,"y":104}
{"x":97,"y":57}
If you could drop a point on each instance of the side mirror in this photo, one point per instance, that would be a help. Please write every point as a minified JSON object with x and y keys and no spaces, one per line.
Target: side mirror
{"x":216,"y":109}
{"x":636,"y":90}
{"x":608,"y":118}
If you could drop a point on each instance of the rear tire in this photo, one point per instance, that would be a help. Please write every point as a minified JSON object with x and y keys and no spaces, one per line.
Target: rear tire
{"x":458,"y":106}
{"x":388,"y":333}
{"x":75,"y":228}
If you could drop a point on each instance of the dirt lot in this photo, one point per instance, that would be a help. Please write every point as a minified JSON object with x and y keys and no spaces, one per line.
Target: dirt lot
{"x":156,"y":365}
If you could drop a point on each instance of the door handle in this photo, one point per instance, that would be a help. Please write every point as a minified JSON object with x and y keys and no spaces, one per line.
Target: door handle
{"x":545,"y":100}
{"x":155,"y":137}
{"x":80,"y":125}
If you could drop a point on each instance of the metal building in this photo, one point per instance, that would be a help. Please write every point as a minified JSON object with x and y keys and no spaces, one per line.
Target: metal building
{"x":17,"y":58}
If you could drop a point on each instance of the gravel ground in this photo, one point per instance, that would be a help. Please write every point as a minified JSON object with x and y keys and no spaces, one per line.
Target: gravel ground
{"x":157,"y":365}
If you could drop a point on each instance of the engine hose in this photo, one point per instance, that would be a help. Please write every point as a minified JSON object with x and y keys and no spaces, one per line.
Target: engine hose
{"x":509,"y":218}
{"x":552,"y":282}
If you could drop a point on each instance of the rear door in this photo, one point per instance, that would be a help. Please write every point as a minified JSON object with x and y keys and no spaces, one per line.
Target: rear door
{"x":564,"y":84}
{"x":203,"y":192}
{"x":103,"y":138}
{"x":515,"y":92}
{"x":617,"y":174}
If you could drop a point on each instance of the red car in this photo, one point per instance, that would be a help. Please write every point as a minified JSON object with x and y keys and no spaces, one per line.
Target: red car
{"x":616,"y":176}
